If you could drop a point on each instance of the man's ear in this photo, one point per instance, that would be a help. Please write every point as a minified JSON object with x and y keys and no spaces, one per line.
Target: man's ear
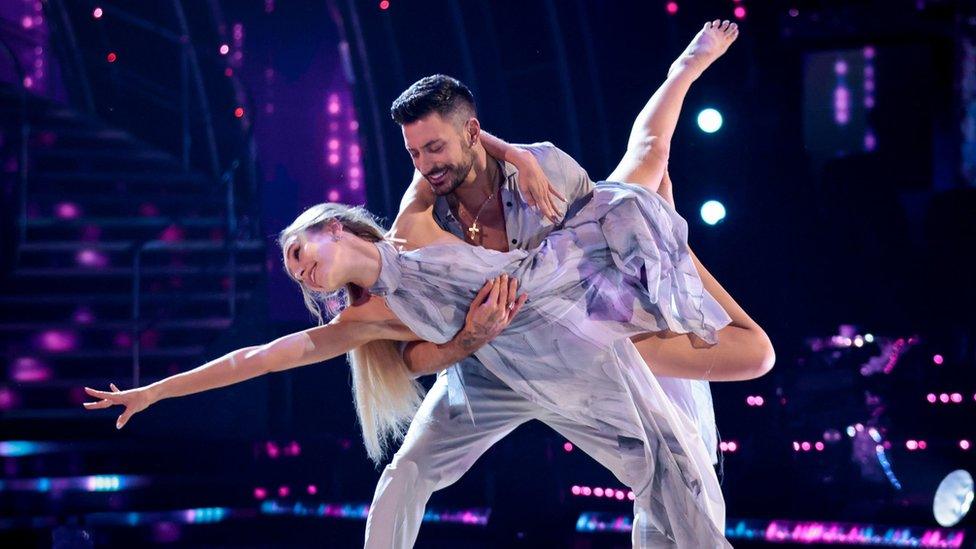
{"x":472,"y":131}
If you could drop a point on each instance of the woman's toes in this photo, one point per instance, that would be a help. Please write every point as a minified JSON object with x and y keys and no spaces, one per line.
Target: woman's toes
{"x":716,"y":23}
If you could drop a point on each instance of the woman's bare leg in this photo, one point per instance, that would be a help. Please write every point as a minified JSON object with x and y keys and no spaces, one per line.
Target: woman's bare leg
{"x":743,"y":350}
{"x":649,"y":145}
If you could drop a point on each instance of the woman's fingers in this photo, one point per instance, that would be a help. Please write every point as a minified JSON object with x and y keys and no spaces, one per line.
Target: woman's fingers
{"x":123,"y":419}
{"x":114,"y":388}
{"x":502,"y":294}
{"x":97,"y":405}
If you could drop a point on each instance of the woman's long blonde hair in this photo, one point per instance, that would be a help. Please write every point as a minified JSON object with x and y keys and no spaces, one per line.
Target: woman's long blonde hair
{"x":385,"y":393}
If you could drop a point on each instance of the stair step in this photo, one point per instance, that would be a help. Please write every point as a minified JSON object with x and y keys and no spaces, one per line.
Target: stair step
{"x":175,"y":324}
{"x":147,"y":177}
{"x":109,"y":153}
{"x":183,"y":246}
{"x":95,"y":299}
{"x":191,"y":270}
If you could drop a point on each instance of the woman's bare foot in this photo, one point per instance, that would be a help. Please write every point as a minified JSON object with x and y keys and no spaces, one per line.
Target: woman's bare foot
{"x":707,"y":46}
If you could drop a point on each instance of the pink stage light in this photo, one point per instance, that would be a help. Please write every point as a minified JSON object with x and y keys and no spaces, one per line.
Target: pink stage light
{"x":83,"y":315}
{"x":732,"y":446}
{"x":598,"y":492}
{"x":333,"y":159}
{"x":91,"y":258}
{"x":57,"y":341}
{"x":239,"y":112}
{"x":29,"y":370}
{"x":956,"y":398}
{"x":586,"y":490}
{"x":943,"y":398}
{"x":631,"y":496}
{"x":796,"y":446}
{"x":97,"y":13}
{"x":333,"y":196}
{"x":8,"y":399}
{"x":568,"y":446}
{"x":911,"y":445}
{"x":819,"y":446}
{"x":964,"y":444}
{"x":67,"y":210}
{"x":384,"y":5}
{"x":224,"y":49}
{"x":805,"y":446}
{"x":333,"y":144}
{"x":260,"y":493}
{"x":293,"y":449}
{"x":619,"y":495}
{"x":312,"y":490}
{"x":751,"y":401}
{"x":931,"y":398}
{"x":272,"y":450}
{"x":112,"y":57}
{"x":922,"y":445}
{"x":283,"y":491}
{"x":739,"y":12}
{"x":938,"y":359}
{"x":576,"y":490}
{"x":671,"y":7}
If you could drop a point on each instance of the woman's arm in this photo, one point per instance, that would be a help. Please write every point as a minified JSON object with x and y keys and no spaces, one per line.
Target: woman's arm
{"x":535,"y":187}
{"x":291,"y":351}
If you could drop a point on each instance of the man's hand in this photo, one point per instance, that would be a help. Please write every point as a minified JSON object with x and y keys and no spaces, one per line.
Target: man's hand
{"x":535,"y":187}
{"x":491,"y":312}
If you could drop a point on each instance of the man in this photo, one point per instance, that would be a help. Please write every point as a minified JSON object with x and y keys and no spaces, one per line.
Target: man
{"x":474,"y":186}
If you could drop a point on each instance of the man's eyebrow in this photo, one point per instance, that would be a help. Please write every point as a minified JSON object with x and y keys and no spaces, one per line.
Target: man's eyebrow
{"x":431,"y":142}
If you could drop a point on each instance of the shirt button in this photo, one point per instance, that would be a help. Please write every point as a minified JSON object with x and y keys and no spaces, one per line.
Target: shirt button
{"x":514,"y":241}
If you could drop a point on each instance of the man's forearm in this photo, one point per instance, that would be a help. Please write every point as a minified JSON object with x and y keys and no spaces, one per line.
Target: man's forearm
{"x":424,"y":357}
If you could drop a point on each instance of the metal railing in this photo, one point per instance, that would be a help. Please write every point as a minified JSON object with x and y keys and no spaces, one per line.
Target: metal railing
{"x":195,"y":117}
{"x":23,"y":124}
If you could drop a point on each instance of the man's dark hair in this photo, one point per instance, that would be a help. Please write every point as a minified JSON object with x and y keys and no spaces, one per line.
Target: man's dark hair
{"x":437,"y":93}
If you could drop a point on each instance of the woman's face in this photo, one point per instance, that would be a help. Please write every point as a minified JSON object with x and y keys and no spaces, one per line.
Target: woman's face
{"x":311,"y":258}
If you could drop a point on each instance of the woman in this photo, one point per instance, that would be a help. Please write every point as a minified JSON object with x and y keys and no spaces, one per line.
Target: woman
{"x":618,"y":267}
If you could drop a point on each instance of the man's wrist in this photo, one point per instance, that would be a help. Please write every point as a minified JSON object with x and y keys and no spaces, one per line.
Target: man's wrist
{"x":469,"y":340}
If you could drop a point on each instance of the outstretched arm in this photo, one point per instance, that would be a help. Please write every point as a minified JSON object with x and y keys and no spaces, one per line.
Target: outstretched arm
{"x":649,"y":144}
{"x":291,"y":351}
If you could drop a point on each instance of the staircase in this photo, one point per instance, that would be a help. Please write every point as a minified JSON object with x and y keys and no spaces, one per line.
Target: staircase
{"x":99,"y":200}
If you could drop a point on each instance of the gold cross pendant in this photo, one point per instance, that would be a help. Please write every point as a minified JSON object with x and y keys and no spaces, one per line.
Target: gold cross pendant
{"x":473,"y":231}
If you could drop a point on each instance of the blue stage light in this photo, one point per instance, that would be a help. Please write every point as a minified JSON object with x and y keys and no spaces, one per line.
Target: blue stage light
{"x":712,"y":212}
{"x":709,"y":120}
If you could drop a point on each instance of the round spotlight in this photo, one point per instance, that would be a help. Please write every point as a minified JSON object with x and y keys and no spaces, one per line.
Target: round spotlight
{"x":224,"y":49}
{"x":97,"y":12}
{"x":671,"y":7}
{"x":953,"y":498}
{"x":709,"y":120}
{"x":712,"y":212}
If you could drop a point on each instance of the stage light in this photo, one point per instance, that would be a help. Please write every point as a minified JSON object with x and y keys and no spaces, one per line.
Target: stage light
{"x":224,"y":49}
{"x":260,"y":493}
{"x":333,"y":159}
{"x":943,"y":398}
{"x":794,"y":12}
{"x":931,"y":398}
{"x":953,"y":498}
{"x":805,"y":446}
{"x":333,"y":196}
{"x":911,"y":444}
{"x":964,"y":444}
{"x":709,"y":120}
{"x":712,"y":212}
{"x":385,"y":4}
{"x":869,"y":338}
{"x":938,"y":359}
{"x":739,"y":12}
{"x":598,"y":492}
{"x":97,"y":13}
{"x":312,"y":490}
{"x":568,"y":446}
{"x":671,"y":7}
{"x":239,"y":112}
{"x":575,"y":490}
{"x":111,"y":57}
{"x":228,"y":72}
{"x":283,"y":491}
{"x":955,"y":397}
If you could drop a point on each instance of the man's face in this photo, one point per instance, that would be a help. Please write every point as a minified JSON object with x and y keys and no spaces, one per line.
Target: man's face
{"x":441,"y":150}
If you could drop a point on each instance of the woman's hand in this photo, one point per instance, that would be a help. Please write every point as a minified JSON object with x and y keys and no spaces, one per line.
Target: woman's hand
{"x":535,"y":187}
{"x":134,"y":400}
{"x":491,"y":311}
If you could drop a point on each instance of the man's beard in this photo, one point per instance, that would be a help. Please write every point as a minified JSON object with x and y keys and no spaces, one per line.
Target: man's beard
{"x":455,"y":176}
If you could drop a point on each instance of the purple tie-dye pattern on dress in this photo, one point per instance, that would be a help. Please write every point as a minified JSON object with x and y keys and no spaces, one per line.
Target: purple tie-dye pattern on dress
{"x":618,"y":267}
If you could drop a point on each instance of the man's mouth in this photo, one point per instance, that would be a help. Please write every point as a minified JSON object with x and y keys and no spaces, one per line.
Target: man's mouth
{"x":437,"y":177}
